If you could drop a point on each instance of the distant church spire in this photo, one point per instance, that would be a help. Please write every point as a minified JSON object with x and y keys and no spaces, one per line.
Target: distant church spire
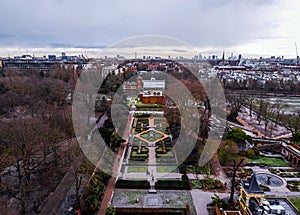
{"x":223,"y":56}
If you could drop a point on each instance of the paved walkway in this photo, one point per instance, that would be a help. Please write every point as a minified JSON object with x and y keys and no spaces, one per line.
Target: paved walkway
{"x":201,"y":199}
{"x":116,"y":168}
{"x":219,"y":172}
{"x":250,"y":127}
{"x":141,"y":175}
{"x":151,"y":121}
{"x":152,"y":155}
{"x":274,"y":131}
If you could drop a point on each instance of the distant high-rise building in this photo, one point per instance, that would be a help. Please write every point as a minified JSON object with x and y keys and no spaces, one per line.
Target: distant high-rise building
{"x":52,"y":57}
{"x":63,"y":56}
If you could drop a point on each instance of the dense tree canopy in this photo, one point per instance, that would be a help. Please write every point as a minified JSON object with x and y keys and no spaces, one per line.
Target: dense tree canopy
{"x":238,"y":135}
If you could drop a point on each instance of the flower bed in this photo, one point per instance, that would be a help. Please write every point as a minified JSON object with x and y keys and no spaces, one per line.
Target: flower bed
{"x":293,"y":185}
{"x":285,"y":173}
{"x":136,"y":156}
{"x":208,"y":184}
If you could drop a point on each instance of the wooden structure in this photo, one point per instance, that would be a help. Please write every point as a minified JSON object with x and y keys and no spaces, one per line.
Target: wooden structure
{"x":249,"y":190}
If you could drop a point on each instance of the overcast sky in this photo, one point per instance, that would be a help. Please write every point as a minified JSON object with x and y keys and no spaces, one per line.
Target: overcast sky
{"x":250,"y":27}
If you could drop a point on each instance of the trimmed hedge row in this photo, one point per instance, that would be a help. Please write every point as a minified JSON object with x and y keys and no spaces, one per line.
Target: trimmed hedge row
{"x":133,"y":184}
{"x":184,"y":184}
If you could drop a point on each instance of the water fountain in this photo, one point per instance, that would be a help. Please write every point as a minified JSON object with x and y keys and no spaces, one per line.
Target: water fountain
{"x":152,"y":183}
{"x":269,"y":179}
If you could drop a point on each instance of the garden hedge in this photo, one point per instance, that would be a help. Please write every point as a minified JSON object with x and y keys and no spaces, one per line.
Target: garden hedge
{"x":143,"y":184}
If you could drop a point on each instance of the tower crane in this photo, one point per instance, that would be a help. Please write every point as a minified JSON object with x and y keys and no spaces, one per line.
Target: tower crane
{"x":297,"y":56}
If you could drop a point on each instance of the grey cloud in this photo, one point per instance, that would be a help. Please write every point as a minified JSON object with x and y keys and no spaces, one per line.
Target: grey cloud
{"x":97,"y":23}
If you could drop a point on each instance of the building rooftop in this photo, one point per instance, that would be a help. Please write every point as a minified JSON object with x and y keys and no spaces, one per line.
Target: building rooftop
{"x":252,"y":186}
{"x":154,"y":84}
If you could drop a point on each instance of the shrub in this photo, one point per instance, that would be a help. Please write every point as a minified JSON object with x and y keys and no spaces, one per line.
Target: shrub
{"x":173,"y":184}
{"x":211,"y":184}
{"x":251,"y":154}
{"x":264,"y":188}
{"x":133,"y":184}
{"x":138,"y":158}
{"x":238,"y":135}
{"x":94,"y":189}
{"x":182,"y":169}
{"x":90,"y":204}
{"x":111,"y":210}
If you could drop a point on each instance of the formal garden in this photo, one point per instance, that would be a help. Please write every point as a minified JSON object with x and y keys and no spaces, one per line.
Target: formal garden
{"x":139,"y":153}
{"x":285,"y":173}
{"x":272,"y":162}
{"x":138,"y":142}
{"x":208,"y":184}
{"x":293,"y":186}
{"x":151,"y":134}
{"x":141,"y":124}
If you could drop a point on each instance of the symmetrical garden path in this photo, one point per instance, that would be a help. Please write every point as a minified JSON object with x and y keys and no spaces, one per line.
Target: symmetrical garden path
{"x":151,"y":122}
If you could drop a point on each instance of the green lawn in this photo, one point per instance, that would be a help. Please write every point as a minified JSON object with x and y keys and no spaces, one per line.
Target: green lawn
{"x":296,"y":202}
{"x":274,"y":162}
{"x":137,"y":169}
{"x":166,"y":169}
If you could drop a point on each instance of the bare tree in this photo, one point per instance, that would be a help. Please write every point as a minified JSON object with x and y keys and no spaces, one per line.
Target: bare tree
{"x":278,"y":109}
{"x":249,"y":102}
{"x":23,"y":140}
{"x":235,"y":168}
{"x":293,"y":122}
{"x":236,"y":102}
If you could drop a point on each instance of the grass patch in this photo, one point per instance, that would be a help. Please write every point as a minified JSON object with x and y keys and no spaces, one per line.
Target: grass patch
{"x":166,"y":169}
{"x":136,"y":142}
{"x":137,"y":169}
{"x":293,"y":186}
{"x":207,"y":184}
{"x":151,"y":135}
{"x":264,"y":188}
{"x":166,"y":160}
{"x":167,"y":154}
{"x":274,"y":162}
{"x":296,"y":202}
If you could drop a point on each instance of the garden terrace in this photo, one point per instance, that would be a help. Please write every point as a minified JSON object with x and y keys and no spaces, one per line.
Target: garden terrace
{"x":137,"y":169}
{"x":167,"y":157}
{"x":208,"y":184}
{"x":285,"y":173}
{"x":173,"y":169}
{"x":293,"y":186}
{"x":166,"y":142}
{"x":161,"y":125}
{"x":296,"y":202}
{"x":163,"y":202}
{"x":141,"y":124}
{"x":138,"y":142}
{"x":139,"y":153}
{"x":272,"y":162}
{"x":151,"y":136}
